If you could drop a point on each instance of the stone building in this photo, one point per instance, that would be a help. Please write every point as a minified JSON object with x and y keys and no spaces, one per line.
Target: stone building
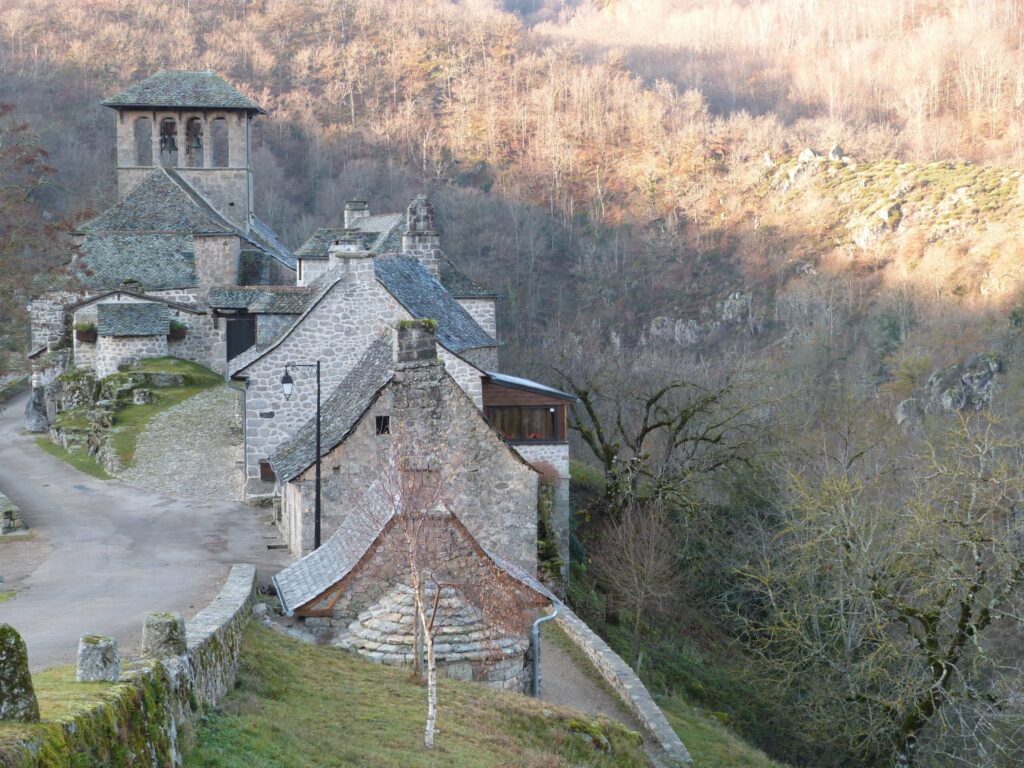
{"x":183,"y":223}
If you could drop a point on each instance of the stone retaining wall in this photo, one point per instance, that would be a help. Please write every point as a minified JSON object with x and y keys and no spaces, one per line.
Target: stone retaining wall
{"x":146,"y":718}
{"x":626,"y":684}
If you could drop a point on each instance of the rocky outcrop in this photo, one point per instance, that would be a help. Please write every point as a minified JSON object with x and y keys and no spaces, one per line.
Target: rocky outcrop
{"x":10,"y":517}
{"x":35,"y":411}
{"x":17,"y":696}
{"x":968,"y":386}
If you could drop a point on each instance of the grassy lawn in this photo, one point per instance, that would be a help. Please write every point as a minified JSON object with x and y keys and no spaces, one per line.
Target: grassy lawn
{"x":5,"y":596}
{"x":80,"y":460}
{"x":302,"y":705}
{"x":131,"y":421}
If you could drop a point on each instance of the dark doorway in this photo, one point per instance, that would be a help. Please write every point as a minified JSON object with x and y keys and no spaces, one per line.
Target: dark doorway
{"x":241,"y":334}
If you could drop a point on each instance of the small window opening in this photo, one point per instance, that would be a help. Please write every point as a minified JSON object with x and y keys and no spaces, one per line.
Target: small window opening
{"x":219,"y":143}
{"x":143,"y":141}
{"x":194,"y":143}
{"x":383,"y":425}
{"x":169,"y":141}
{"x":267,"y":472}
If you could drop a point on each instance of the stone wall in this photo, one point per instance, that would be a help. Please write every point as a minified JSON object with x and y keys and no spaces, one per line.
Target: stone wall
{"x":485,"y":312}
{"x":113,"y":351}
{"x":146,"y":717}
{"x":216,"y":261}
{"x":337,"y":331}
{"x":466,"y":375}
{"x":490,"y":489}
{"x":10,"y":517}
{"x":205,"y":340}
{"x":311,"y":270}
{"x":624,"y":682}
{"x":548,"y":457}
{"x":49,"y":317}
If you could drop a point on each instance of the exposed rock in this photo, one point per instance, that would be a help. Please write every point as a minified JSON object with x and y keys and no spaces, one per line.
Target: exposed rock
{"x":736,"y":308}
{"x":98,"y":660}
{"x":17,"y":696}
{"x":911,"y":408}
{"x":163,"y":634}
{"x":886,"y":219}
{"x":808,"y":155}
{"x":835,"y":153}
{"x":142,"y":396}
{"x":35,"y":411}
{"x":10,"y":517}
{"x":966,"y":386}
{"x":259,"y":609}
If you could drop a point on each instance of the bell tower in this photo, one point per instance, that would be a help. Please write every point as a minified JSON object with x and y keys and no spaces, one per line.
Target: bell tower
{"x":192,"y":123}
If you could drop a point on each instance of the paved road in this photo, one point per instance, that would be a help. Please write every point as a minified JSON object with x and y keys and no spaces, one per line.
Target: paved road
{"x":103,"y":553}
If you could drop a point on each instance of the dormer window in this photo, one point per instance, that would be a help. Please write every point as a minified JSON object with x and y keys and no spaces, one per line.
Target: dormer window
{"x":194,"y":143}
{"x":169,"y":142}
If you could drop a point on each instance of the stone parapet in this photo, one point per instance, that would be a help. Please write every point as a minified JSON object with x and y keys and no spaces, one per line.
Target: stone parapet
{"x":143,"y":719}
{"x":626,"y":685}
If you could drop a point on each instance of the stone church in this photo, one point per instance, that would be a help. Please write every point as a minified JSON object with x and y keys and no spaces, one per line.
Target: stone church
{"x":182,"y":266}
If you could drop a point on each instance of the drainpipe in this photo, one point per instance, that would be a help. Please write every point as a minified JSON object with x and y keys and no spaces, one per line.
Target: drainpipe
{"x":535,"y":639}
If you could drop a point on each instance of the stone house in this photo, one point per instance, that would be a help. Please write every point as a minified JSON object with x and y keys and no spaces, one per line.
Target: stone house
{"x":401,"y":390}
{"x":183,"y":222}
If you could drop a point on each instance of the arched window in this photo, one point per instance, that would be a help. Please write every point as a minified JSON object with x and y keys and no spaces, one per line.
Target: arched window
{"x":194,"y":143}
{"x":143,"y":141}
{"x":219,"y":137}
{"x":169,"y":141}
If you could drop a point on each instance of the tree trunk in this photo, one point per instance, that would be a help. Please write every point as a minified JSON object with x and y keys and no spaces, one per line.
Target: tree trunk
{"x":428,"y":731}
{"x":634,"y":647}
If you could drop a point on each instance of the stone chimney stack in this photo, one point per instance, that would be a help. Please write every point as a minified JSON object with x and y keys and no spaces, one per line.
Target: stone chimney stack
{"x":415,"y":342}
{"x":350,"y":251}
{"x":421,"y":238}
{"x":355,"y":210}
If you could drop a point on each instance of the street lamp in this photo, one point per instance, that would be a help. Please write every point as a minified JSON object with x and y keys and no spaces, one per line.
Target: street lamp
{"x":288,"y":386}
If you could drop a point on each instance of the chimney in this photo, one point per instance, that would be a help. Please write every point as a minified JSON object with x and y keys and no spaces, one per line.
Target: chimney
{"x":354,"y":210}
{"x":349,"y":251}
{"x":415,"y":341}
{"x":421,"y":238}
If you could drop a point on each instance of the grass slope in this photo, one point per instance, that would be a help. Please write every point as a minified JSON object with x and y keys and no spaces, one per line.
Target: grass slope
{"x":302,"y":705}
{"x":80,"y":460}
{"x":131,"y":421}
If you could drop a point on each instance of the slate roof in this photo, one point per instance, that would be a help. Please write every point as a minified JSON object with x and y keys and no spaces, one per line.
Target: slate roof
{"x":407,"y":280}
{"x":183,"y":88}
{"x":321,"y":569}
{"x":157,"y":262}
{"x":386,"y":231}
{"x":147,"y":236}
{"x":414,"y":288}
{"x":132,"y":319}
{"x":160,"y":204}
{"x":339,"y":414}
{"x":266,"y":299}
{"x":460,"y":286}
{"x":308,"y":577}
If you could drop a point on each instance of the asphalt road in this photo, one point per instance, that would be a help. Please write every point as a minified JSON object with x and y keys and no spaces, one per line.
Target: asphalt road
{"x":103,"y":553}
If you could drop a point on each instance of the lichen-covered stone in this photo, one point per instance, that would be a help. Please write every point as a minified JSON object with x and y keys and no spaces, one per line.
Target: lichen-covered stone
{"x":17,"y":697}
{"x":98,"y":660}
{"x":163,"y":634}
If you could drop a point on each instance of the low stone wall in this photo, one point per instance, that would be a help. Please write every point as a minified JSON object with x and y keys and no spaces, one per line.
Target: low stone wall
{"x":625,"y":683}
{"x":10,"y":517}
{"x":147,"y":718}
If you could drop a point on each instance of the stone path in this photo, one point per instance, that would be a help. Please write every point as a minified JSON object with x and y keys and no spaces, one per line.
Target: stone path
{"x":99,"y":555}
{"x":192,"y":448}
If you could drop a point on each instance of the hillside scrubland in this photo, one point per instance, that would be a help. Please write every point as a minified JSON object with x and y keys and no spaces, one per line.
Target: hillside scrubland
{"x":773,"y":246}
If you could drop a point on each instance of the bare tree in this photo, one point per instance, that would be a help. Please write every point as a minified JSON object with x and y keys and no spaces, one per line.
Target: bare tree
{"x":421,"y":544}
{"x":637,"y":558}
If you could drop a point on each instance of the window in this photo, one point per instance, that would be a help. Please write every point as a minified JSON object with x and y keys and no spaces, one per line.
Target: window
{"x":267,"y":472}
{"x":169,"y":141}
{"x":219,"y":156}
{"x":523,"y":423}
{"x":143,"y":141}
{"x":383,"y":425}
{"x":194,"y":143}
